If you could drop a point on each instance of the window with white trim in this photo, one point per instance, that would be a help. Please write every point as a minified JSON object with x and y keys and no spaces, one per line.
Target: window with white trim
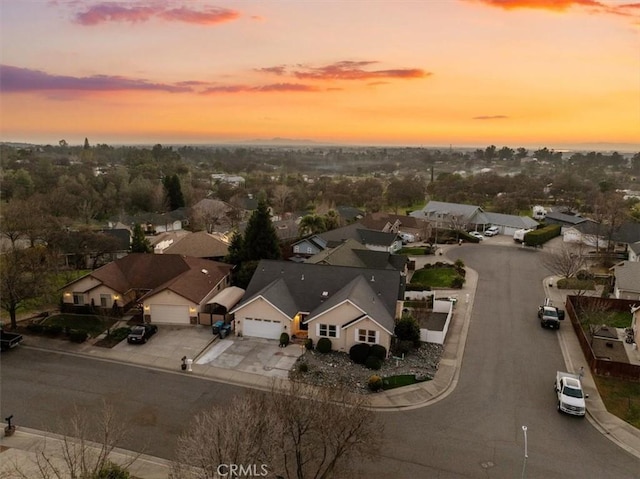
{"x":78,"y":298}
{"x":366,"y":336}
{"x":328,"y":330}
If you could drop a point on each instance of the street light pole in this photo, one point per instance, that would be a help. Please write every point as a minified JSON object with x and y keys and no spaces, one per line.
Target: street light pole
{"x":526,"y":453}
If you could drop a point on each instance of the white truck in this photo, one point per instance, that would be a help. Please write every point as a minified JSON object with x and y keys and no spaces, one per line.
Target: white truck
{"x":571,"y":398}
{"x":518,"y":235}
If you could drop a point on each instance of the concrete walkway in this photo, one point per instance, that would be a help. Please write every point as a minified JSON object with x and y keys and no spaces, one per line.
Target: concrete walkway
{"x":22,"y":446}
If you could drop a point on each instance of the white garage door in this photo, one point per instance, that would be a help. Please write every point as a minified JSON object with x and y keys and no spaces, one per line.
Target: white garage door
{"x":169,"y":313}
{"x":262,"y":328}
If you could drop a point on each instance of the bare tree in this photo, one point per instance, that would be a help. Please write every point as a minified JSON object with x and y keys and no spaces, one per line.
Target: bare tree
{"x":592,"y":314}
{"x":281,"y":195}
{"x":76,"y":455}
{"x":301,"y":432}
{"x":564,"y":261}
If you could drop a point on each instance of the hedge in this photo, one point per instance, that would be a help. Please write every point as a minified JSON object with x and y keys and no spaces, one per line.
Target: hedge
{"x":542,"y":235}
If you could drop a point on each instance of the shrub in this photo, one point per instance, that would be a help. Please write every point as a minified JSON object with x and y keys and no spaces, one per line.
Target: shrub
{"x":403,"y":347}
{"x":324,"y":345}
{"x":78,"y":336}
{"x":53,"y":329}
{"x":359,"y":352}
{"x":284,"y":339}
{"x":308,"y":344}
{"x":373,"y":363}
{"x":375,"y":383}
{"x":459,"y":263}
{"x":407,"y":329}
{"x":303,"y":367}
{"x":112,"y":471}
{"x":457,"y":282}
{"x":379,"y":352}
{"x":583,"y":274}
{"x":35,"y":328}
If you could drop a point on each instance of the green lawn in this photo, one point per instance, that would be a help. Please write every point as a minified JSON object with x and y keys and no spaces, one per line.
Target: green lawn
{"x":575,"y":283}
{"x":398,"y":381}
{"x":93,"y":325}
{"x":622,"y":398}
{"x":435,"y":277}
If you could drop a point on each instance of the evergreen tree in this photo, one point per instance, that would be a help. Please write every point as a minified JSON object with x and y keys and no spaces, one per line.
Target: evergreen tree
{"x":139,"y":243}
{"x":173,"y":192}
{"x":260,"y":237}
{"x":86,"y":144}
{"x":236,"y":249}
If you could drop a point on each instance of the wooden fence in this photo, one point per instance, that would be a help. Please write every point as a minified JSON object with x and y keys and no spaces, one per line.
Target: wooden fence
{"x":599,"y":366}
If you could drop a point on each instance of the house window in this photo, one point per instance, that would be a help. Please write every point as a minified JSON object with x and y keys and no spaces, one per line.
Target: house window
{"x":309,"y":250}
{"x":366,"y":336}
{"x":296,"y":249}
{"x":78,"y":298}
{"x":104,"y":300}
{"x":328,"y":330}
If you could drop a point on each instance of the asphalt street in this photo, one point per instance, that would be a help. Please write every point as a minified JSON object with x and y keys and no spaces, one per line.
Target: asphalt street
{"x":505,"y":383}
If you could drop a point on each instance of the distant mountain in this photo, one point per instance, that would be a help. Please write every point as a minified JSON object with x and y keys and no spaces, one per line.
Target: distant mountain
{"x":282,"y":142}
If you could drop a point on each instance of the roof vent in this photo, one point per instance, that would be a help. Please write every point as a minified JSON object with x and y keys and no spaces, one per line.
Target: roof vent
{"x":373,"y":278}
{"x":302,"y":278}
{"x":325,"y":294}
{"x":204,"y":271}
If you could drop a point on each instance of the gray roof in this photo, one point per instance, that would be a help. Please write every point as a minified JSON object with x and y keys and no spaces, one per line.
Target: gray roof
{"x":357,"y":232}
{"x":354,"y":253}
{"x":635,"y":247}
{"x":627,"y":274}
{"x":471,"y":213}
{"x":520,"y":222}
{"x":303,"y":287}
{"x":556,"y":217}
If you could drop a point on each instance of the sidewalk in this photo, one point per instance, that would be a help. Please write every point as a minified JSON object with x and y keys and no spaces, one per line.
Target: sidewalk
{"x":23,"y":445}
{"x":623,"y":434}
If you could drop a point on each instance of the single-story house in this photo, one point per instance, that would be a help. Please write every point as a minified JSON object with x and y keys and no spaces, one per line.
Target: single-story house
{"x":372,"y":239}
{"x":345,"y":304}
{"x":390,"y":223}
{"x":471,"y":217}
{"x":156,"y":223}
{"x":309,"y":246}
{"x":626,"y":276}
{"x":634,"y":251}
{"x":354,"y":253}
{"x":212,"y":246}
{"x":170,"y":288}
{"x":565,"y":220}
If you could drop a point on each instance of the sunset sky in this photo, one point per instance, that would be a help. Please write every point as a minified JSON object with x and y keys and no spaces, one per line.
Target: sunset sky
{"x":422,"y":73}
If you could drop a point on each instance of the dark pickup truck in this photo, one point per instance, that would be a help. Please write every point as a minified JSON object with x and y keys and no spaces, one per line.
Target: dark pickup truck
{"x":9,"y":340}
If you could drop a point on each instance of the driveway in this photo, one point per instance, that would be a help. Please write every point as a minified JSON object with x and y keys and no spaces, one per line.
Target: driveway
{"x":251,"y":355}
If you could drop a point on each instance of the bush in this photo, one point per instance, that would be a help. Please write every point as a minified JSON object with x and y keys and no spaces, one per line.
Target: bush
{"x":112,"y":471}
{"x":378,"y":351}
{"x":375,"y":383}
{"x":457,"y":282}
{"x":324,"y":345}
{"x":284,"y":340}
{"x":583,"y":275}
{"x":407,"y":329}
{"x":35,"y":328}
{"x":459,"y":263}
{"x":359,"y":353}
{"x":404,"y":347}
{"x":303,"y":367}
{"x":541,"y":235}
{"x":308,"y":344}
{"x":78,"y":336}
{"x":53,"y":329}
{"x":373,"y":363}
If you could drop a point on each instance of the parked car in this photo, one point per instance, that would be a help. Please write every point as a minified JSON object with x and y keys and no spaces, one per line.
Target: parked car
{"x":141,"y":334}
{"x":477,"y":234}
{"x":9,"y":340}
{"x":215,"y":327}
{"x":492,"y":231}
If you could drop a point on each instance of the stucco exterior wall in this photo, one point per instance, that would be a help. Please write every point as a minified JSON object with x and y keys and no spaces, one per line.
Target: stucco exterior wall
{"x":259,"y":308}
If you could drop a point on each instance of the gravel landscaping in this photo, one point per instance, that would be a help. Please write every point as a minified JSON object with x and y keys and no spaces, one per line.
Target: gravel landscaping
{"x":336,"y":369}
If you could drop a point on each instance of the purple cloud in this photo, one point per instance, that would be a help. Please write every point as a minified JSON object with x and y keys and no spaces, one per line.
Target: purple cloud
{"x":17,"y":80}
{"x":126,"y":12}
{"x":345,"y":70}
{"x":274,"y":87}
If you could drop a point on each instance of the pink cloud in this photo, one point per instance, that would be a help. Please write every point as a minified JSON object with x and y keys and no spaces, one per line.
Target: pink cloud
{"x":126,"y":12}
{"x":274,"y":87}
{"x":345,"y":70}
{"x":21,"y":80}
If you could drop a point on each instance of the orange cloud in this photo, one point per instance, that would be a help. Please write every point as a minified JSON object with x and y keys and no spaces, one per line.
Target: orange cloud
{"x":558,"y":5}
{"x":274,"y":87}
{"x":490,"y":117}
{"x":345,"y":70}
{"x":126,"y":12}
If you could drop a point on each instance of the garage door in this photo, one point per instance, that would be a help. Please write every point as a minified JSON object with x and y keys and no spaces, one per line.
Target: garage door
{"x":262,"y":328}
{"x":169,"y":313}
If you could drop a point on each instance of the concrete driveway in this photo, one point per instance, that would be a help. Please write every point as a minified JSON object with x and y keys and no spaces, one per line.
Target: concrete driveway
{"x":251,"y":355}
